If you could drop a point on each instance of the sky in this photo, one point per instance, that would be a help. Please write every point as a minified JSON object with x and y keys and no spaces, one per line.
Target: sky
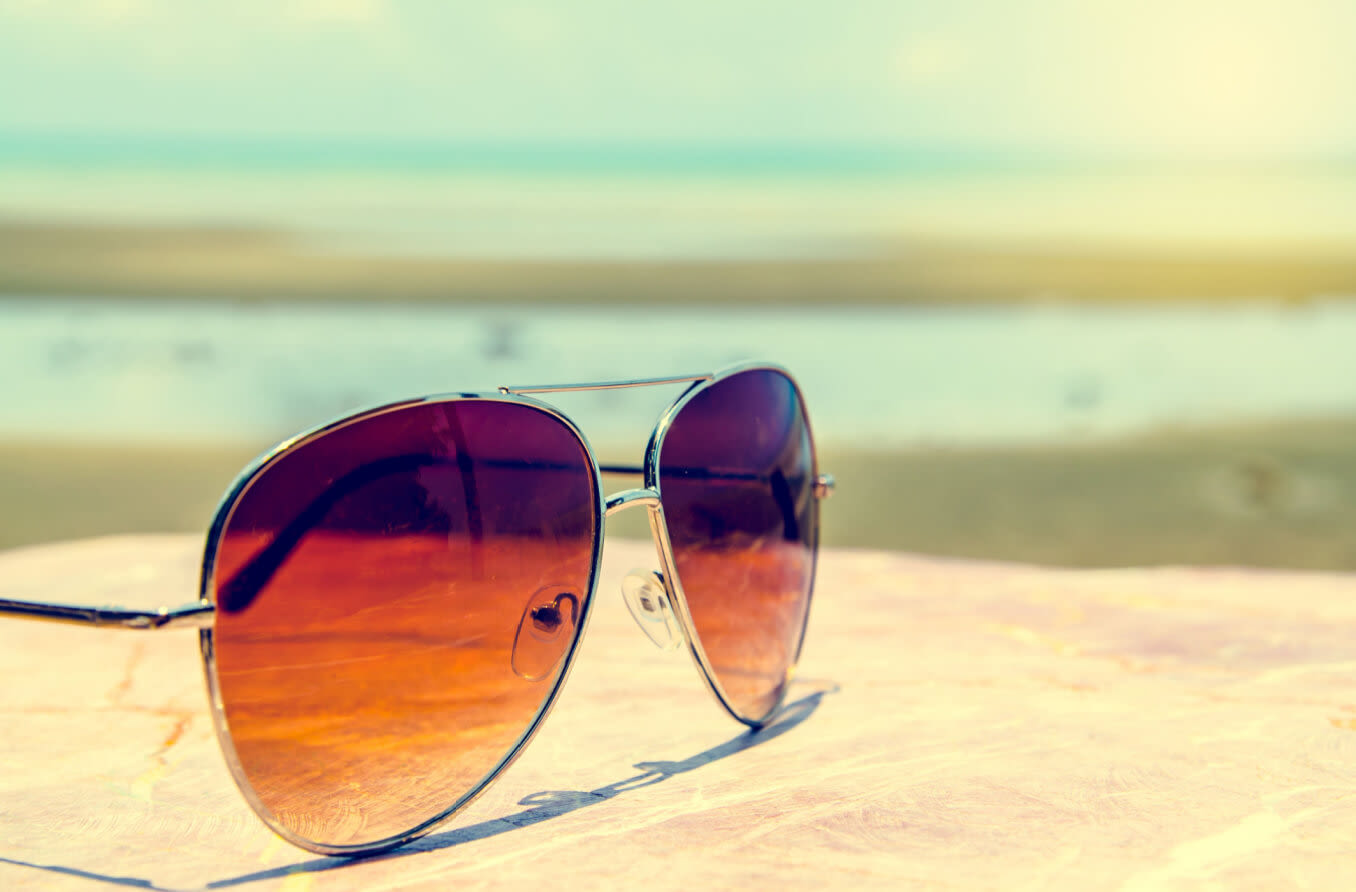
{"x":1150,"y":79}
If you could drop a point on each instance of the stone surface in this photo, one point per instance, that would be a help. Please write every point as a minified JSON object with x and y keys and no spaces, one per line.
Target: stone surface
{"x":955,"y":725}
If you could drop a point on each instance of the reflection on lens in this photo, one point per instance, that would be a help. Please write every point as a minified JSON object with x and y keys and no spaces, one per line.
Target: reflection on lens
{"x":371,"y":583}
{"x":736,"y":476}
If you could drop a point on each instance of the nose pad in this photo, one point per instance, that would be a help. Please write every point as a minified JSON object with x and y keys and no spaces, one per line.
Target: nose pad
{"x":545,"y":631}
{"x":647,"y":598}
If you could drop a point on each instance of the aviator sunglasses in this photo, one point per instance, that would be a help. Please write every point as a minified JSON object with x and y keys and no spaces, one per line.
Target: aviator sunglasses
{"x":391,"y":603}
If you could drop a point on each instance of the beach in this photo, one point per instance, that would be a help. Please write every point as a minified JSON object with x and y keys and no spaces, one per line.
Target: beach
{"x":257,"y":264}
{"x":225,"y":310}
{"x":1279,"y":496}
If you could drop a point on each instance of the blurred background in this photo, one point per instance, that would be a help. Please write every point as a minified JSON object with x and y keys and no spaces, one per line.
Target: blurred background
{"x":1064,"y":282}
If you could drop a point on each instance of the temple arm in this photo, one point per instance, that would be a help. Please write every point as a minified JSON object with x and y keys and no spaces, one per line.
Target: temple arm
{"x":199,"y":614}
{"x":196,"y":615}
{"x":240,"y":590}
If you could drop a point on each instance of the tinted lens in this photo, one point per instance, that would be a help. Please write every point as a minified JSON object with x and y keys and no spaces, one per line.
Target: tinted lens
{"x":396,"y":600}
{"x":736,"y":475}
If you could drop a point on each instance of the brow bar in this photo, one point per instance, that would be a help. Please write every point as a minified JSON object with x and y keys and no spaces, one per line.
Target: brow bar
{"x":605,"y":385}
{"x":196,"y":615}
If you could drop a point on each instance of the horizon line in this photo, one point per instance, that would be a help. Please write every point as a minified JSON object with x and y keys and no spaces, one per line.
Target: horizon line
{"x":69,"y":148}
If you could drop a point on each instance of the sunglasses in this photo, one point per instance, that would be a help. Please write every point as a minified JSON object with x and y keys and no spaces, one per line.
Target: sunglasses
{"x":390,"y":603}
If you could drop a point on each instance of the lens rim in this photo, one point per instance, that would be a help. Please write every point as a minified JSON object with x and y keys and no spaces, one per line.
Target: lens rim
{"x":207,"y":592}
{"x":659,"y":527}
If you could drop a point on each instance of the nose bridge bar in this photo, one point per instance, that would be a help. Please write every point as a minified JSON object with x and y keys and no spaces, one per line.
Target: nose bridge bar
{"x":605,"y":385}
{"x":630,"y":498}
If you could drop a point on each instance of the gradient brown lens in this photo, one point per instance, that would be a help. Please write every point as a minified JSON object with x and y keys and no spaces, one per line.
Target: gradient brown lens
{"x":395,"y":601}
{"x":736,"y":477}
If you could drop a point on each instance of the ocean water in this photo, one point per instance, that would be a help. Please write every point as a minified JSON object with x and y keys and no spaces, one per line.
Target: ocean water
{"x":101,"y":368}
{"x":190,"y":371}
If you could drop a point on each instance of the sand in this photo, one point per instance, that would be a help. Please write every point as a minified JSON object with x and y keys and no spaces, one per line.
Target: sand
{"x":249,"y":265}
{"x":1260,"y":495}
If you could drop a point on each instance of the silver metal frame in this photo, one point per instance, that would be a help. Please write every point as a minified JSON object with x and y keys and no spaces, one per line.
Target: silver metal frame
{"x":200,"y":614}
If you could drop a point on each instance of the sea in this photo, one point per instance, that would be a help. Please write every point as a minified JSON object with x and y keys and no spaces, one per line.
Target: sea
{"x":116,"y":369}
{"x":91,"y":367}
